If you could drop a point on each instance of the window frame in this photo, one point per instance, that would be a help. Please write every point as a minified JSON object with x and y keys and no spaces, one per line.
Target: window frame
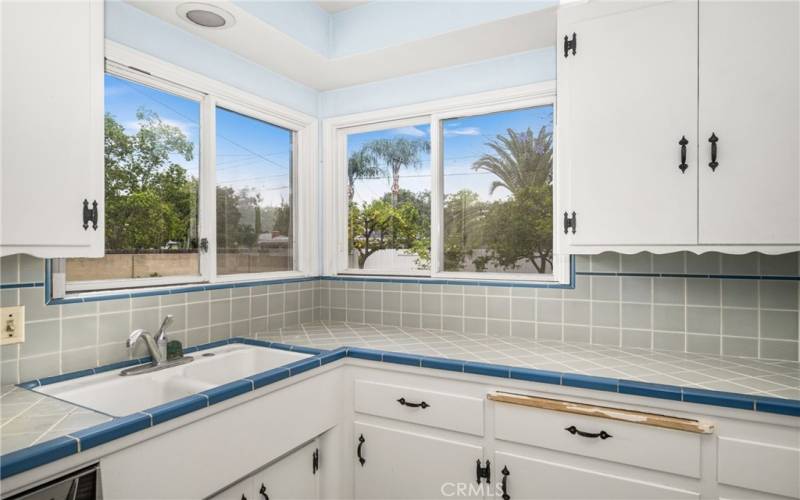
{"x":335,"y":132}
{"x":124,"y":62}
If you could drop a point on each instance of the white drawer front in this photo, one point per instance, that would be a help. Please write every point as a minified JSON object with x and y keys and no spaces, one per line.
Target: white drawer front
{"x":442,"y":410}
{"x":664,"y":450}
{"x":759,"y":466}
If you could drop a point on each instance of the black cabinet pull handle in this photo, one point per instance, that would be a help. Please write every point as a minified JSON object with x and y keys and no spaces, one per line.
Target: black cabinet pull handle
{"x":504,"y":484}
{"x":422,"y":404}
{"x":713,"y":140}
{"x":574,"y":430}
{"x":262,"y":492}
{"x":683,"y":166}
{"x":315,"y":461}
{"x":361,"y":459}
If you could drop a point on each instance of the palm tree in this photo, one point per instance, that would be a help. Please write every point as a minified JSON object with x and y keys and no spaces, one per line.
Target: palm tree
{"x":397,"y":153}
{"x":361,"y":164}
{"x":519,"y":161}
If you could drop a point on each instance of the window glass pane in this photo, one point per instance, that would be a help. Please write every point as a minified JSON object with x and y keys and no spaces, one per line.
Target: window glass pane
{"x":151,"y":185}
{"x":389,"y":179}
{"x":498,"y":192}
{"x":254,"y":195}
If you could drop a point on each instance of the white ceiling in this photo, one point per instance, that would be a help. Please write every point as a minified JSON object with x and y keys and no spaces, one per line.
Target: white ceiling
{"x":261,"y":42}
{"x":334,"y":6}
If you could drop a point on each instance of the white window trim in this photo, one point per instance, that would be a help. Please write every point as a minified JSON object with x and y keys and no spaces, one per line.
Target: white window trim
{"x":134,"y":65}
{"x":335,"y":132}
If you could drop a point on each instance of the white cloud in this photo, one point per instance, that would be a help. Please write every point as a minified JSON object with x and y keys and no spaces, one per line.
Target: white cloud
{"x":412,"y":131}
{"x":462,"y":131}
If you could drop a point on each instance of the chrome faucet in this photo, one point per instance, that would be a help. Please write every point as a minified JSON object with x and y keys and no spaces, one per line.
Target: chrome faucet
{"x":161,"y":336}
{"x":149,"y":341}
{"x":157,"y":346}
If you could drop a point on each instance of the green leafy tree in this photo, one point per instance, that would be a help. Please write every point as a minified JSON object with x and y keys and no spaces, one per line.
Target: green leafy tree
{"x":520,"y":228}
{"x":150,"y":199}
{"x":283,"y":219}
{"x":370,"y":223}
{"x":464,"y":220}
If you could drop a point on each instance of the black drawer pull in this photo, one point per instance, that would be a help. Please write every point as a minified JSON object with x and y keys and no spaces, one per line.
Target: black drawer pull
{"x":713,"y":140}
{"x":422,"y":405}
{"x":682,"y":143}
{"x":574,"y":430}
{"x":361,"y":459}
{"x":504,"y":485}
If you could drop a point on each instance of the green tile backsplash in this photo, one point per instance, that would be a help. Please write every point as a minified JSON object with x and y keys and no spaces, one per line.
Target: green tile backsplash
{"x":748,"y":317}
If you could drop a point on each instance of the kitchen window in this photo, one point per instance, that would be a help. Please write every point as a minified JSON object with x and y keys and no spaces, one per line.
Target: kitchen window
{"x":201,"y":186}
{"x":459,"y":189}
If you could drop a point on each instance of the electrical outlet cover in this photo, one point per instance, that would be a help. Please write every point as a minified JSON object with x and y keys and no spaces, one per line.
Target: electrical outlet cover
{"x":12,"y":325}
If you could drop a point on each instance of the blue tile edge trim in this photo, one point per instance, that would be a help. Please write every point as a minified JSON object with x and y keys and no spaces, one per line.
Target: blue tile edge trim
{"x":49,"y":451}
{"x":49,"y":300}
{"x":10,"y":286}
{"x":33,"y":456}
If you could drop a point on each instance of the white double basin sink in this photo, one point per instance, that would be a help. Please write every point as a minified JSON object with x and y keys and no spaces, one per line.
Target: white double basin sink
{"x":118,"y":396}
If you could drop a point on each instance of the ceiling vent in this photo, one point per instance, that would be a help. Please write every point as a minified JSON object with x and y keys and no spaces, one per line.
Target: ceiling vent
{"x":205,"y":15}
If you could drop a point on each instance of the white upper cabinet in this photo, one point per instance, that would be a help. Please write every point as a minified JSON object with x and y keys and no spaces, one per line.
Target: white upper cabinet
{"x":750,"y":102}
{"x":52,"y":128}
{"x":646,"y":75}
{"x":626,"y":98}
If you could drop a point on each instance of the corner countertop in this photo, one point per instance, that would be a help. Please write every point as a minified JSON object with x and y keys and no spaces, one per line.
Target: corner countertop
{"x":36,"y":429}
{"x":779,"y":379}
{"x":28,"y":418}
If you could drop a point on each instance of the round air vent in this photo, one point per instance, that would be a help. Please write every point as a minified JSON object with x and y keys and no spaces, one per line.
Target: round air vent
{"x":205,"y":15}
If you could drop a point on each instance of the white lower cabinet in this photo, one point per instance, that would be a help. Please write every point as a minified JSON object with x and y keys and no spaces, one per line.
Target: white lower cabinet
{"x":295,"y":476}
{"x":526,"y":477}
{"x":292,"y":477}
{"x":317,"y":440}
{"x":392,"y":463}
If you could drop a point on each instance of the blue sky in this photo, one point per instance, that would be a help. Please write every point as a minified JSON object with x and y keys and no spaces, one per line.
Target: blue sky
{"x":464,"y":142}
{"x":250,"y":153}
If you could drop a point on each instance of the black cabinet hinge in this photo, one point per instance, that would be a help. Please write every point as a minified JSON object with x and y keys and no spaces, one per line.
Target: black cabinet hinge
{"x":484,"y":472}
{"x":570,"y":44}
{"x":315,"y":461}
{"x":570,"y":222}
{"x":89,"y":215}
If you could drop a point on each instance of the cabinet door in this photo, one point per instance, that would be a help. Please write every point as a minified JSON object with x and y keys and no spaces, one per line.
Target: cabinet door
{"x":292,"y":477}
{"x":408,"y":465}
{"x":625,"y":99}
{"x":749,"y":99}
{"x":530,"y":478}
{"x":52,"y":133}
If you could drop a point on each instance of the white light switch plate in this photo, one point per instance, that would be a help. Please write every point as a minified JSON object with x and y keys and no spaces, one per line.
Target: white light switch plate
{"x":12,"y":325}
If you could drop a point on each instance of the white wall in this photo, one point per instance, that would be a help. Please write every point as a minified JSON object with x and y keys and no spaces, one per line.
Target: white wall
{"x":132,"y":27}
{"x":502,"y":72}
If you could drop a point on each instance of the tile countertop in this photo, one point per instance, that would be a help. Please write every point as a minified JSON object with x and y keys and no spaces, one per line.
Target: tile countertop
{"x":36,"y":429}
{"x":28,"y":418}
{"x":780,"y":379}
